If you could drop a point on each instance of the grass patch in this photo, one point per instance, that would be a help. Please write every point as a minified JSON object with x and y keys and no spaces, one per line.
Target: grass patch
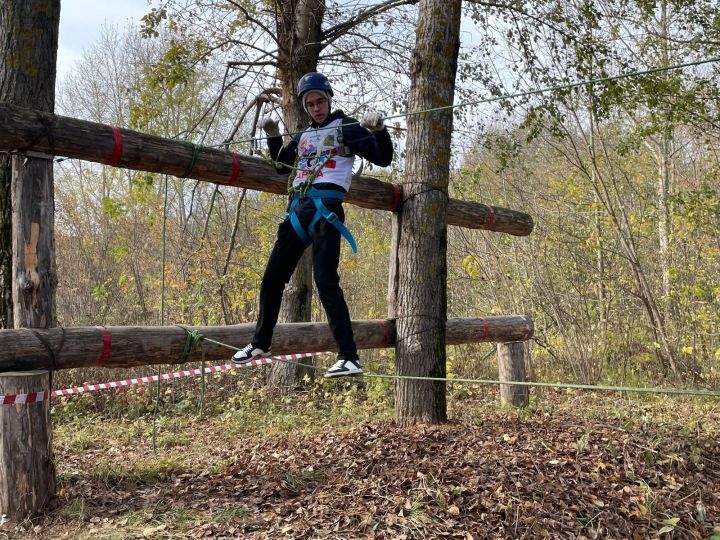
{"x":93,"y":431}
{"x":112,"y":473}
{"x":327,"y":405}
{"x":160,"y":522}
{"x":75,"y":509}
{"x":228,"y":515}
{"x":143,"y":471}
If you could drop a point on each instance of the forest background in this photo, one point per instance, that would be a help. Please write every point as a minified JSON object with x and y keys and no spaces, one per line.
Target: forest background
{"x":620,"y":274}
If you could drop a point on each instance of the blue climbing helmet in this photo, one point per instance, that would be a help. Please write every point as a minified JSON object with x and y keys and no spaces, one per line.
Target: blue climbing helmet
{"x":313,"y":81}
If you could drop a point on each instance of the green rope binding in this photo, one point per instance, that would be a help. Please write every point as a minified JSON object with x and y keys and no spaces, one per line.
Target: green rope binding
{"x":197,"y":150}
{"x":194,"y":339}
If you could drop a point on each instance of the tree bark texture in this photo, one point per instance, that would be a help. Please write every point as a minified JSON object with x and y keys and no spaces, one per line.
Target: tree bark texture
{"x":422,"y":286}
{"x":26,"y":349}
{"x":25,"y":130}
{"x":29,"y":37}
{"x":297,"y":307}
{"x":394,"y":266}
{"x":6,"y":266}
{"x":34,"y":270}
{"x":299,"y":35}
{"x":28,"y":50}
{"x":511,"y":367}
{"x":27,"y":474}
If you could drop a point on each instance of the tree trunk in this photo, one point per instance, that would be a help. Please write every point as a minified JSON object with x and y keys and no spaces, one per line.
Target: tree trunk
{"x":29,"y":37}
{"x":34,"y":271}
{"x":6,"y":305}
{"x":394,"y":266}
{"x":422,"y":286}
{"x":27,"y":474}
{"x":299,"y":36}
{"x":297,"y":307}
{"x":28,"y":51}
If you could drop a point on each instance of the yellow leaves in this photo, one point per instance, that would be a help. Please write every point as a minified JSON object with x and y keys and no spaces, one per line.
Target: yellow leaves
{"x":471,"y":265}
{"x":669,"y":525}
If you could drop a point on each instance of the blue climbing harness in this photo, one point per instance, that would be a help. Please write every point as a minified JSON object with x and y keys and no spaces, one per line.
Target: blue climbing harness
{"x":321,"y":211}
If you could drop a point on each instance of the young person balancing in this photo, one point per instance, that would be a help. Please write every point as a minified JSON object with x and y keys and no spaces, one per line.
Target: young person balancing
{"x":323,"y":156}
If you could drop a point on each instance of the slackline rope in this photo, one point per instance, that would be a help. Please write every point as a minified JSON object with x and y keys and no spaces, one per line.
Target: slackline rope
{"x":645,"y":390}
{"x":502,"y":97}
{"x":46,"y":394}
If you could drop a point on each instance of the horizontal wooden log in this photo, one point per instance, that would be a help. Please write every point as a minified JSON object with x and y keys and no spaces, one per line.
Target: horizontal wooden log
{"x":27,"y":130}
{"x":127,"y":346}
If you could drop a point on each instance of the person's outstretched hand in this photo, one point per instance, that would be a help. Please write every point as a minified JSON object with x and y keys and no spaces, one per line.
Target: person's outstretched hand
{"x":269,"y":126}
{"x":373,"y":121}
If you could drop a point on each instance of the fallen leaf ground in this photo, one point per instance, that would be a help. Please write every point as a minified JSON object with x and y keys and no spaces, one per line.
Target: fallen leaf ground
{"x":573,"y":466}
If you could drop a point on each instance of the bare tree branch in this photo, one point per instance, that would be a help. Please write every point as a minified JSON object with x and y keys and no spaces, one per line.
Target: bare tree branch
{"x":253,"y":20}
{"x":331,"y":34}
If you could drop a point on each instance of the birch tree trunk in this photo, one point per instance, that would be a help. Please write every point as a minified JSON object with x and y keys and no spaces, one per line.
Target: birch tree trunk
{"x":422,"y":247}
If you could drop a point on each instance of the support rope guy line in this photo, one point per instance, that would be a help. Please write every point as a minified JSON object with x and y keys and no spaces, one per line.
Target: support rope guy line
{"x":117,"y":148}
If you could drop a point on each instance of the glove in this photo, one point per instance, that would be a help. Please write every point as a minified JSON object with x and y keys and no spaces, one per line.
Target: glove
{"x":269,"y":126}
{"x":373,"y":121}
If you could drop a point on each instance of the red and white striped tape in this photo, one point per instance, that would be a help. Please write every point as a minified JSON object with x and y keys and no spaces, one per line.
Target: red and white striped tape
{"x":35,"y":397}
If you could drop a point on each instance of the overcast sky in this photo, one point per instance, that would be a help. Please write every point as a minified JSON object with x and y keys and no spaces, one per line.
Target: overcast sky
{"x":82,"y":20}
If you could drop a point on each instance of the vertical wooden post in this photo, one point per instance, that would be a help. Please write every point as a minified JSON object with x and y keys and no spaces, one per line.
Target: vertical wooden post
{"x":28,"y":43}
{"x":27,"y":477}
{"x":511,"y":367}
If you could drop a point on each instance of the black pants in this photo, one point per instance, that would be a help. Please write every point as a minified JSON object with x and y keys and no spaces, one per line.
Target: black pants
{"x":284,"y":258}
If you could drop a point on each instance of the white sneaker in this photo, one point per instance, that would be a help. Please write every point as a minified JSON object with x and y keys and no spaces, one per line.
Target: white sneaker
{"x":344,"y":368}
{"x":249,"y":353}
